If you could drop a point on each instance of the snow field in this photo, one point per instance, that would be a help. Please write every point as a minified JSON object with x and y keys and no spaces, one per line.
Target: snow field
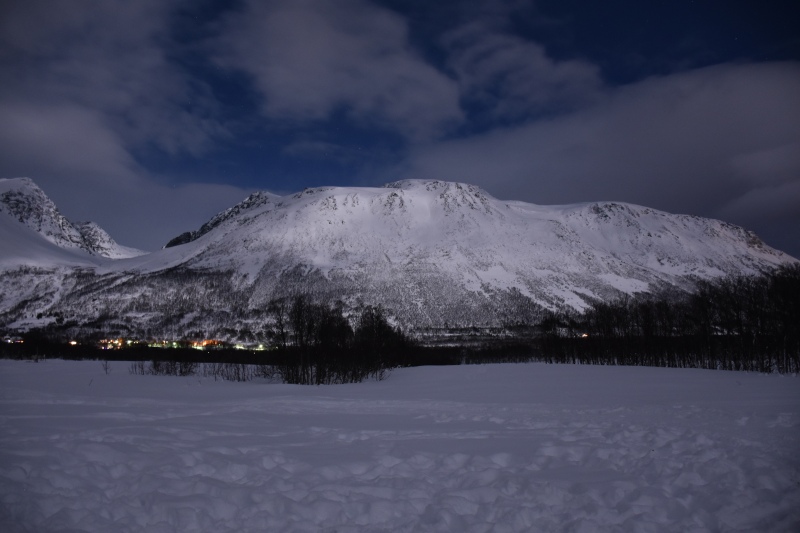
{"x":473,"y":448}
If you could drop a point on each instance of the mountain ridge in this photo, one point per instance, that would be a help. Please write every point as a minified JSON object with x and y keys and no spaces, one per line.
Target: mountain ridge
{"x":24,"y":201}
{"x":434,"y":254}
{"x":449,"y":211}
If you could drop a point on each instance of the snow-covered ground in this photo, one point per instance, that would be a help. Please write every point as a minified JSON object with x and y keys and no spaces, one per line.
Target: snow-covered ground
{"x":472,"y":448}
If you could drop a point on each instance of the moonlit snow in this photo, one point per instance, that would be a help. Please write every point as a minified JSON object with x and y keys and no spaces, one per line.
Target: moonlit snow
{"x":437,"y":254}
{"x":472,"y":448}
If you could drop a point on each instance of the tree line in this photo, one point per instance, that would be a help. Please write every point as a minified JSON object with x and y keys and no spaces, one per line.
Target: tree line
{"x":747,"y":323}
{"x":311,"y":342}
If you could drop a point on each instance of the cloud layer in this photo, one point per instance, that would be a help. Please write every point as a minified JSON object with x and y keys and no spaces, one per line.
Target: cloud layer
{"x":311,"y":59}
{"x":108,"y":105}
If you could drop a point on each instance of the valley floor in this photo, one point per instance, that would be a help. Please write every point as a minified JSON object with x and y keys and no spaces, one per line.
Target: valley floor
{"x":497,"y":448}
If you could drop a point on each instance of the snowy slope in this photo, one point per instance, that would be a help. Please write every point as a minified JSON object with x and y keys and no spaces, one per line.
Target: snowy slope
{"x":462,"y":236}
{"x":22,"y":246}
{"x":24,"y":201}
{"x":513,"y":448}
{"x":33,"y":269}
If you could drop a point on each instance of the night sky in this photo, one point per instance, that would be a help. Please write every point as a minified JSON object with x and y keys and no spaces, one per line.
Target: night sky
{"x":149,"y":117}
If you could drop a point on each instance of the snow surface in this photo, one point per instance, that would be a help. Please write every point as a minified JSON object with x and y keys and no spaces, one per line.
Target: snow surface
{"x":473,"y":448}
{"x":22,"y":246}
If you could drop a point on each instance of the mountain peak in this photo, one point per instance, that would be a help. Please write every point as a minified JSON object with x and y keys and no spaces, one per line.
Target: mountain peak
{"x":97,"y":241}
{"x":26,"y":202}
{"x":439,"y":186}
{"x":29,"y":205}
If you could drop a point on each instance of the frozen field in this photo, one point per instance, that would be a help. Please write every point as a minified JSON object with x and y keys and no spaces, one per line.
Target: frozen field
{"x":473,"y":448}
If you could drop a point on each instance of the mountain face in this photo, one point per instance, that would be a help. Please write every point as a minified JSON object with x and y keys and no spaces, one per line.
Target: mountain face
{"x":433,"y":254}
{"x":24,"y":201}
{"x":251,"y":202}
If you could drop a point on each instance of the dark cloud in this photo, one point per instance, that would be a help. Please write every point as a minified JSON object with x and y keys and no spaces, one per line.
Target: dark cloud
{"x":43,"y":140}
{"x":111,"y":59}
{"x":312,"y":59}
{"x":719,"y":142}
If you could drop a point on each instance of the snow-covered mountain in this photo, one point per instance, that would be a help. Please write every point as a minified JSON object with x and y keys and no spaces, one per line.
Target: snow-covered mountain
{"x":24,"y":201}
{"x":433,"y":253}
{"x":409,"y":230}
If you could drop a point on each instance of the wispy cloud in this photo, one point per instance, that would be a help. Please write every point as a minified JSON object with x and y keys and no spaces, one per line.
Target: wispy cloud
{"x":514,"y":78}
{"x":111,"y":59}
{"x":313,"y":59}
